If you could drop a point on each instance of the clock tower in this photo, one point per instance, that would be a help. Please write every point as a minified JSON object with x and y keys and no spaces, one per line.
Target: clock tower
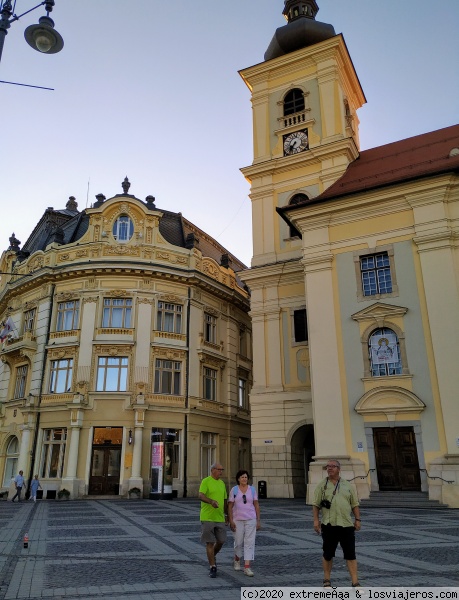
{"x":305,"y":96}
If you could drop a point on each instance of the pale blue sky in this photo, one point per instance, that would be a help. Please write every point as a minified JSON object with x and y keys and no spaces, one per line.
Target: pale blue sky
{"x":150,"y":89}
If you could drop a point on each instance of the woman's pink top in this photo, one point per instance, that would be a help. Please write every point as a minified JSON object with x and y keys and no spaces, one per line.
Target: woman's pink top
{"x":241,"y":511}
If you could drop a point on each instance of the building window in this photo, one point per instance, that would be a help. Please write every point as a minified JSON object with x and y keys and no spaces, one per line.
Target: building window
{"x":61,"y":376}
{"x":168,"y":377}
{"x":21,"y":381}
{"x":297,"y":199}
{"x":210,"y":328}
{"x":169,"y":317}
{"x":208,"y":452}
{"x":376,"y":274}
{"x":243,"y":399}
{"x":117,"y":312}
{"x":210,"y":384}
{"x":123,"y":229}
{"x":68,"y":315}
{"x":300,"y":325}
{"x":112,"y":374}
{"x":384,"y":353}
{"x":12,"y":457}
{"x":52,"y":457}
{"x":29,"y":320}
{"x":293,"y":102}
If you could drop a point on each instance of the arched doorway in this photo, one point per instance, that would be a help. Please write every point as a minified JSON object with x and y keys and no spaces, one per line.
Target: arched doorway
{"x":302,"y":451}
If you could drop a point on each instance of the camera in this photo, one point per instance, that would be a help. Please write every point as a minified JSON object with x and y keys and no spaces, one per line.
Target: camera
{"x":325,"y":504}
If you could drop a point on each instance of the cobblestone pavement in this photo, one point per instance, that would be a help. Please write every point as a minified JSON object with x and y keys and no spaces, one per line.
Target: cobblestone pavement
{"x":113,"y":549}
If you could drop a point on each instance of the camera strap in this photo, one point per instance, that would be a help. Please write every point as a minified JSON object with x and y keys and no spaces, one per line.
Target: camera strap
{"x":334,"y":491}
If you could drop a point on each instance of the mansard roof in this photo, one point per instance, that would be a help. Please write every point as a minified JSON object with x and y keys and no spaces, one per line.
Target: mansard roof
{"x":69,"y":225}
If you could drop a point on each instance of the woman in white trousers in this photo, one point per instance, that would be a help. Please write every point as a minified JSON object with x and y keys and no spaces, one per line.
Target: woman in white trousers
{"x":244,"y":520}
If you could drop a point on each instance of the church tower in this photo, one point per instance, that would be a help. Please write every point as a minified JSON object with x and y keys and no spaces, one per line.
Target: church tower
{"x":305,"y":97}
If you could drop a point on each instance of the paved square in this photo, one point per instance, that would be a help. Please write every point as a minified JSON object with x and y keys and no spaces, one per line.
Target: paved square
{"x":113,"y":549}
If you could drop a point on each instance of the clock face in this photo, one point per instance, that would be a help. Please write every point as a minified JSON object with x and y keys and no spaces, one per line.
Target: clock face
{"x":296,"y":142}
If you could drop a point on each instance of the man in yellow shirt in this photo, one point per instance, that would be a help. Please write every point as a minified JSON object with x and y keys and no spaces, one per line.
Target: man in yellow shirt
{"x":214,"y":514}
{"x":336,"y":499}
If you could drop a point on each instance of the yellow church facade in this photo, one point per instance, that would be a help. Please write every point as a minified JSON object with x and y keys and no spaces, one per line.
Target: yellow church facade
{"x":126,"y":355}
{"x":354,"y":281}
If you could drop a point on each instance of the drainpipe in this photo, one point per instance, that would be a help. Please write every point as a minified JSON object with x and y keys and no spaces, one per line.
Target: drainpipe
{"x":187,"y":391}
{"x":42,"y":378}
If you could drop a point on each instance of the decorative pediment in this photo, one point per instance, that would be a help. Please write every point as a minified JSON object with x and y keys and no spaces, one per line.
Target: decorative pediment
{"x":379,"y":312}
{"x":389,"y":401}
{"x":218,"y":362}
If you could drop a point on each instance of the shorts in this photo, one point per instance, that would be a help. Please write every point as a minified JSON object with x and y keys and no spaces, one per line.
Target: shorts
{"x":212,"y":532}
{"x":332,"y":535}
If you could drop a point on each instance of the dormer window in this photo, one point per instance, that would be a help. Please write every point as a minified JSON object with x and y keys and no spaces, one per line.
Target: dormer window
{"x":293,"y":102}
{"x":123,"y":229}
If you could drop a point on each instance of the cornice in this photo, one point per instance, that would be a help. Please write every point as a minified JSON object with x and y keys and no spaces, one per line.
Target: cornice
{"x":309,"y":57}
{"x":314,"y":155}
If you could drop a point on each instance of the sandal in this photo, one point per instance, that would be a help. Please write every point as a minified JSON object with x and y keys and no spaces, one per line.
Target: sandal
{"x":327,"y":583}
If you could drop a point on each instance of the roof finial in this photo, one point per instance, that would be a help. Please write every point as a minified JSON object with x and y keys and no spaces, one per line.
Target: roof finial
{"x":126,"y":185}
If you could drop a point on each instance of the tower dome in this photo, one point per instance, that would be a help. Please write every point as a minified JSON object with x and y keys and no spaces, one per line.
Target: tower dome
{"x":302,"y":29}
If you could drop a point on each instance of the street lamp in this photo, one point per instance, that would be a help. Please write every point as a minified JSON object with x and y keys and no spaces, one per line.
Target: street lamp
{"x":42,"y":37}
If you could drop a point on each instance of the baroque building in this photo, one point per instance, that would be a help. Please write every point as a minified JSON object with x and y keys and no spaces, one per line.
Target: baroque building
{"x":126,"y":354}
{"x":354,"y":281}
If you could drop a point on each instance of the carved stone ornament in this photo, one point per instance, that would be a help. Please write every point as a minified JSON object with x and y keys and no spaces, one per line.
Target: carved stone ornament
{"x":82,"y":387}
{"x":168,"y":353}
{"x":121,"y":250}
{"x":211,"y":311}
{"x":59,"y":354}
{"x":90,"y":299}
{"x":170,"y":298}
{"x":116,"y":294}
{"x":211,"y":268}
{"x":106,"y":350}
{"x":35,"y":264}
{"x":66,"y":296}
{"x":145,"y":301}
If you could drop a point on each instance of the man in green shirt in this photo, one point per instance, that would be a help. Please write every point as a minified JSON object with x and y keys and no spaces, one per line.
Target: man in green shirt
{"x":336,"y":499}
{"x":214,"y":514}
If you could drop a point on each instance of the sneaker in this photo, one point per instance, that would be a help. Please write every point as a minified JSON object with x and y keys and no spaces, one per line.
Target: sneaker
{"x":213,"y":572}
{"x":248,"y":571}
{"x":237,"y":565}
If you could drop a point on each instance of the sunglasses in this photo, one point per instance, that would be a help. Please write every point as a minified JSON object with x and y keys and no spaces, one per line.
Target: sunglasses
{"x":244,"y":498}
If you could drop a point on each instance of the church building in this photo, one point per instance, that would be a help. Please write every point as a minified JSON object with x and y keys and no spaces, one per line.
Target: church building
{"x":354,"y":281}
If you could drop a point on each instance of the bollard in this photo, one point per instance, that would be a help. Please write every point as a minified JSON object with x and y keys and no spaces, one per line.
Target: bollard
{"x":26,"y":540}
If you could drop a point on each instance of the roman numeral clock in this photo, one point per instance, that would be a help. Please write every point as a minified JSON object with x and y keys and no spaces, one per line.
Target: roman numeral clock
{"x":296,"y":142}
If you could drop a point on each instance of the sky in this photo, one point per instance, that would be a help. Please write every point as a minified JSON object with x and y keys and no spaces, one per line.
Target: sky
{"x":150,"y":90}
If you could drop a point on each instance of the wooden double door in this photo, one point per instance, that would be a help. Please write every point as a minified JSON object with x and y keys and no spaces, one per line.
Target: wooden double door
{"x":105,"y":471}
{"x":397,"y":462}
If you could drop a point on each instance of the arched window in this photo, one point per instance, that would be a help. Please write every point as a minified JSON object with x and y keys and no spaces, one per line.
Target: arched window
{"x":11,"y":462}
{"x":293,"y":102}
{"x":123,"y":229}
{"x":296,"y":199}
{"x":384,"y":353}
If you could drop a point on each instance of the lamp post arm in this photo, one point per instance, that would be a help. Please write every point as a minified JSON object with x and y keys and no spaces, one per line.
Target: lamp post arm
{"x":7,"y":18}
